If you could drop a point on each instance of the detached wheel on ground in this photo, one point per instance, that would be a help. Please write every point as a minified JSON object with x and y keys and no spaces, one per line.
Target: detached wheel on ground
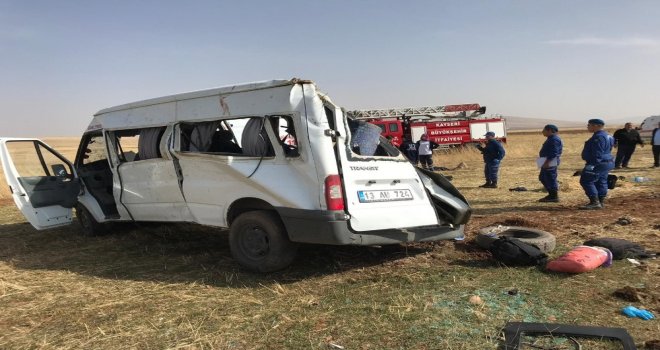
{"x":259,"y":242}
{"x":545,"y":241}
{"x":90,"y":227}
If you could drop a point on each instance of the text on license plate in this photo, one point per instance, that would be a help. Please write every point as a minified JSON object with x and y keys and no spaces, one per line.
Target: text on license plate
{"x":384,"y":196}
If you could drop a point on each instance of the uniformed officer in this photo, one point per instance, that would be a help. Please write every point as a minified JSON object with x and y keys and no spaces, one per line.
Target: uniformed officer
{"x":597,"y":154}
{"x":493,"y":153}
{"x":409,"y":150}
{"x":551,"y":151}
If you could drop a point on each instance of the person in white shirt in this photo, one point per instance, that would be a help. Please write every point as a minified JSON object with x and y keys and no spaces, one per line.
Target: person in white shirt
{"x":425,"y":149}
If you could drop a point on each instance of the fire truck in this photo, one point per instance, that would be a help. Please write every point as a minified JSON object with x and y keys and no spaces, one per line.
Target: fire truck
{"x":448,"y":126}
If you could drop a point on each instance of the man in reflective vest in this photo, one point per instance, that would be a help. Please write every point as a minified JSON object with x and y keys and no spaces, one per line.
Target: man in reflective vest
{"x":597,"y":154}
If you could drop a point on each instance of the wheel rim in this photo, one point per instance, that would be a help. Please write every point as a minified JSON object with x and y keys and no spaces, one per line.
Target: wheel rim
{"x":255,"y":243}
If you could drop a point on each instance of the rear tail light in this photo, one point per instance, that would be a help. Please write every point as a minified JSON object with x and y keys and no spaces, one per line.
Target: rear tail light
{"x":334,"y":197}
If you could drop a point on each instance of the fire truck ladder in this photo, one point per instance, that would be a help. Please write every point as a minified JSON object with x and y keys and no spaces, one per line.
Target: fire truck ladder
{"x":431,"y":112}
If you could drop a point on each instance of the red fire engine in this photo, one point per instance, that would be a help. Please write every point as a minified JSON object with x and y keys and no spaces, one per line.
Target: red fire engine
{"x":451,"y":125}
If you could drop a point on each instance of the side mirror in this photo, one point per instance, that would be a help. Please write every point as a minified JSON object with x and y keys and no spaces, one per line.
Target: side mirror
{"x":59,"y":170}
{"x":482,"y":110}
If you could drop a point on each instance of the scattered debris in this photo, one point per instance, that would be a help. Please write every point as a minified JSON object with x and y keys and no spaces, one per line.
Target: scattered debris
{"x":461,"y":165}
{"x":633,"y":312}
{"x":652,"y":344}
{"x":637,"y":295}
{"x":628,"y":293}
{"x":515,"y":331}
{"x":335,"y":346}
{"x":624,"y":220}
{"x":513,"y":291}
{"x":476,"y":300}
{"x":518,"y":189}
{"x":620,"y":248}
{"x":634,"y":262}
{"x":514,"y":252}
{"x":581,"y":259}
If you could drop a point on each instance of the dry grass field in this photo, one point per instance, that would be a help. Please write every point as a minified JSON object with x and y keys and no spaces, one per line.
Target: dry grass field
{"x":156,"y":286}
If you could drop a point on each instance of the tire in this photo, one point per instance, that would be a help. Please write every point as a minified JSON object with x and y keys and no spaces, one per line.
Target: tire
{"x":259,"y":242}
{"x":90,"y":227}
{"x":545,"y":241}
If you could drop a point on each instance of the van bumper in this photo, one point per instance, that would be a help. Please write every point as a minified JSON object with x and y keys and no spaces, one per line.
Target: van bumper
{"x":331,"y":227}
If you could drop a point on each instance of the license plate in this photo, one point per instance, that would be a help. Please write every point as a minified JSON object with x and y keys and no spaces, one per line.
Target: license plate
{"x":384,"y":196}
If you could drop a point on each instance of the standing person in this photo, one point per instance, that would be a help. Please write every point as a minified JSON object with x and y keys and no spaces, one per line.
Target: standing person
{"x":409,"y":149}
{"x":425,"y":149}
{"x":493,"y":154}
{"x":655,"y":141}
{"x":597,"y":154}
{"x":551,"y":150}
{"x":626,"y":140}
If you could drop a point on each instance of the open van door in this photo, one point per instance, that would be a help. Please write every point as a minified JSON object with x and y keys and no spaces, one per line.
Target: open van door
{"x":382,"y":189}
{"x":43,"y":183}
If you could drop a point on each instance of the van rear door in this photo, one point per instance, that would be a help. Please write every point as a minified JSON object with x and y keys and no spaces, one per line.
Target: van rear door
{"x":382,"y":189}
{"x":43,"y":184}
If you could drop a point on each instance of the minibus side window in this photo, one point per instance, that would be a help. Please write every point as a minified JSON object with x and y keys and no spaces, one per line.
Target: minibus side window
{"x":94,"y":150}
{"x":231,"y":137}
{"x":138,"y":144}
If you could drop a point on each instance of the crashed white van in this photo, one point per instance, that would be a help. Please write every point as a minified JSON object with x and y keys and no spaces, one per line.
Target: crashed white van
{"x":646,"y":129}
{"x":276,"y":162}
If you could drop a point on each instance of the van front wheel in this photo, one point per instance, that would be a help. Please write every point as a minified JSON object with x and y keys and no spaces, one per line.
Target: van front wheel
{"x":259,"y":242}
{"x":89,"y":225}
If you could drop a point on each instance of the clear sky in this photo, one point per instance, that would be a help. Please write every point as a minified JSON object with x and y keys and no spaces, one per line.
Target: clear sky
{"x":61,"y":61}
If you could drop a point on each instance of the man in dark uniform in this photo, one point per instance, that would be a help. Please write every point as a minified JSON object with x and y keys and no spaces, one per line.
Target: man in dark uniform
{"x":493,"y":154}
{"x":626,"y":140}
{"x":655,"y":141}
{"x":551,"y":151}
{"x":409,"y":149}
{"x":597,"y":154}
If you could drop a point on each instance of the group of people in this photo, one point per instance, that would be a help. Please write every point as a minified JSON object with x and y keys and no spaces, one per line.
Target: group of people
{"x":420,"y":151}
{"x":597,"y":154}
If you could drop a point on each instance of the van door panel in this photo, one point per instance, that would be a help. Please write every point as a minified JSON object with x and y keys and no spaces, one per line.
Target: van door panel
{"x":383,"y":176}
{"x":44,"y":198}
{"x":150,"y":191}
{"x":44,"y":191}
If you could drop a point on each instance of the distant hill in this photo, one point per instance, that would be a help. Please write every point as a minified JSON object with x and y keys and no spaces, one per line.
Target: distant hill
{"x":522,"y":123}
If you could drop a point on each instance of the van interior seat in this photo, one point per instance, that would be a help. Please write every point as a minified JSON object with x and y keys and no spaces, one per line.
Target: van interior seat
{"x":223,"y":141}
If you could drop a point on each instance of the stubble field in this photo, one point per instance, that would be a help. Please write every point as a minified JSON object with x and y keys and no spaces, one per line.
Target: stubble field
{"x":157,"y":286}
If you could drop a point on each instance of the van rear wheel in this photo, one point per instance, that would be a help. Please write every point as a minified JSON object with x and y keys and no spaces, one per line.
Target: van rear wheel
{"x":90,"y":227}
{"x":259,"y":242}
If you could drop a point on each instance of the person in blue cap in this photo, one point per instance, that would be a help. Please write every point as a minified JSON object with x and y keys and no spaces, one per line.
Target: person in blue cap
{"x":493,"y":153}
{"x":597,"y":154}
{"x":551,"y":151}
